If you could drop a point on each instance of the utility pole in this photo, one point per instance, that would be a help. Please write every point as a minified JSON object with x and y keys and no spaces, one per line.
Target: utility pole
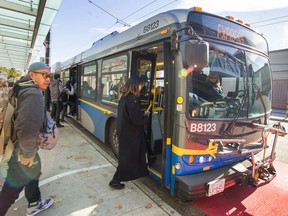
{"x":47,"y":50}
{"x":47,"y":62}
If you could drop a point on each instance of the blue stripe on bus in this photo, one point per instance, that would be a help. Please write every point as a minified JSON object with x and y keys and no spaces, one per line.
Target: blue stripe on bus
{"x":97,"y":116}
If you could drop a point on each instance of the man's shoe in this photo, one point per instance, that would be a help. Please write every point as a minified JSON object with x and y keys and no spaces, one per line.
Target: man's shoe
{"x":116,"y":185}
{"x":41,"y":205}
{"x":59,"y":125}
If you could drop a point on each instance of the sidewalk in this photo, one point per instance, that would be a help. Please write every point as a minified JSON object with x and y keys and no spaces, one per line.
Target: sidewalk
{"x":76,"y":175}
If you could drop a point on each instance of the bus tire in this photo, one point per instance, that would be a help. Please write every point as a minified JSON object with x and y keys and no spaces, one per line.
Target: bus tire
{"x":113,"y":138}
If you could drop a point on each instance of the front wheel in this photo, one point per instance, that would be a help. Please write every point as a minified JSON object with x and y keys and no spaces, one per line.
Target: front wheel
{"x":113,"y":138}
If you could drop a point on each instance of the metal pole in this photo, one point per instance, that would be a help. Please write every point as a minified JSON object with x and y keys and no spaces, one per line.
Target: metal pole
{"x":287,"y":109}
{"x":47,"y":62}
{"x":47,"y":50}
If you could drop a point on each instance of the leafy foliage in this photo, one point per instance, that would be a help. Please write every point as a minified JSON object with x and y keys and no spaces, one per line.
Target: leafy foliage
{"x":12,"y":72}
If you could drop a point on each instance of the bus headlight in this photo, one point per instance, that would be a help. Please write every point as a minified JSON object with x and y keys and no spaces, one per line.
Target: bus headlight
{"x":178,"y":166}
{"x":202,"y":159}
{"x":210,"y":158}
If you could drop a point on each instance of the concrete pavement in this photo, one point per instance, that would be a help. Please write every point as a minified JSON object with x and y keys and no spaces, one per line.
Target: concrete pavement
{"x":76,"y":175}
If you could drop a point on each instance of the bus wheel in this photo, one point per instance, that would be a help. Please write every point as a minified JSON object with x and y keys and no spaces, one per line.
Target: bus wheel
{"x":113,"y":138}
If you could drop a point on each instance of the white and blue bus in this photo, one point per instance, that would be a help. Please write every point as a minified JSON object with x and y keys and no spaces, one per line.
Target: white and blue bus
{"x":202,"y":145}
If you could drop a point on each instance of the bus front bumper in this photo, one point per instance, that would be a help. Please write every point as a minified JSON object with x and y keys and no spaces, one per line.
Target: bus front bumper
{"x":194,"y":186}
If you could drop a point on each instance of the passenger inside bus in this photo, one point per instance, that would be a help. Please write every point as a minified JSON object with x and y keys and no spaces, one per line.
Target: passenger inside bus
{"x":144,"y":93}
{"x":88,"y":90}
{"x":160,"y":96}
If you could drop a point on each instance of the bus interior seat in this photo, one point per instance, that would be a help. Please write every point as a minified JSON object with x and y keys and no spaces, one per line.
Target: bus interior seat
{"x":156,"y":135}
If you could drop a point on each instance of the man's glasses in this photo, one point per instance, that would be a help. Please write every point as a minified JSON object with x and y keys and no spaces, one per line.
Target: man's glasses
{"x":45,"y":75}
{"x":212,"y":77}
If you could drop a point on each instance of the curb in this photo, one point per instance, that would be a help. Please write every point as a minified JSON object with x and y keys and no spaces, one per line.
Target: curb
{"x":281,"y":119}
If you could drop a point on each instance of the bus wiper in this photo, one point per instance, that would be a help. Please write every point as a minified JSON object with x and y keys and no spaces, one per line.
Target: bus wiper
{"x":230,"y":126}
{"x":262,"y":101}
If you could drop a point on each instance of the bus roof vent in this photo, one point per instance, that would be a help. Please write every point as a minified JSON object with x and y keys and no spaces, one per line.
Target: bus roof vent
{"x":105,"y":38}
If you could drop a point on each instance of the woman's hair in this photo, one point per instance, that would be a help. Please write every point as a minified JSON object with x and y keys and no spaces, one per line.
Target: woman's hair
{"x":68,"y":83}
{"x":56,"y":76}
{"x":132,"y":86}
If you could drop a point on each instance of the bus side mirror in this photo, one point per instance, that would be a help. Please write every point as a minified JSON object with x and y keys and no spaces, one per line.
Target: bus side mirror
{"x":194,"y":53}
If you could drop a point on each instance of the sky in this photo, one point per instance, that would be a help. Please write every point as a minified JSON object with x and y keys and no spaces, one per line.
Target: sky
{"x":79,"y":23}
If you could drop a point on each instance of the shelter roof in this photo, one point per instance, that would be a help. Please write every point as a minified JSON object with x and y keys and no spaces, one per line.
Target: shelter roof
{"x":24,"y":25}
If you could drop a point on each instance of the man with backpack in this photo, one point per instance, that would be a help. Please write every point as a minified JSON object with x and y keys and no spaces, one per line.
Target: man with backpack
{"x":24,"y":166}
{"x":56,"y":88}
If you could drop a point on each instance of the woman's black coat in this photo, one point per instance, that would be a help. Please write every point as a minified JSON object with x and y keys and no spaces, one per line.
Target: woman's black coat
{"x":132,"y":139}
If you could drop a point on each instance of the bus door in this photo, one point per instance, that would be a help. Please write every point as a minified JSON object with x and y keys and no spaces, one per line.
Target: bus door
{"x":144,"y":64}
{"x":73,"y":77}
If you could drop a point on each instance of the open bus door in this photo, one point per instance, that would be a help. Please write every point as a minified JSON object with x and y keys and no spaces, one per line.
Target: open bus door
{"x":75,"y":82}
{"x":144,"y":65}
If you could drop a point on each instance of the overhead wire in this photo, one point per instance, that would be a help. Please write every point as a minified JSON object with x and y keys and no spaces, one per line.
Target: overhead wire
{"x":139,"y":9}
{"x":107,"y":29}
{"x":118,"y":20}
{"x":153,"y":11}
{"x":268,"y":20}
{"x":270,"y":24}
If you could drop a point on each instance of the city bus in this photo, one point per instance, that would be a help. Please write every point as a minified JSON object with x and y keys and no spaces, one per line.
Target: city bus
{"x":201,"y":144}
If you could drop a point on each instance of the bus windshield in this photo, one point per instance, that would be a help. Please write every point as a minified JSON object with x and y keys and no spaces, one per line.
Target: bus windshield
{"x":234,"y":83}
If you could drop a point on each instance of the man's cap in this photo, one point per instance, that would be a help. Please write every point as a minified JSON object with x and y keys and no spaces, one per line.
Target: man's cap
{"x":37,"y":65}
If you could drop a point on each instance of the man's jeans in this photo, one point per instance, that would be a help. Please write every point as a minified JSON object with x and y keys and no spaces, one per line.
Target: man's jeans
{"x":19,"y":177}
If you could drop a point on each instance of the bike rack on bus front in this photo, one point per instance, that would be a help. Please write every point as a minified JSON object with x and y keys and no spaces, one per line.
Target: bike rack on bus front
{"x":264,"y":169}
{"x":261,"y":169}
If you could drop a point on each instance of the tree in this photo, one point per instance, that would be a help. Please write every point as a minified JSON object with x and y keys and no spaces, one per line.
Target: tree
{"x":12,"y":72}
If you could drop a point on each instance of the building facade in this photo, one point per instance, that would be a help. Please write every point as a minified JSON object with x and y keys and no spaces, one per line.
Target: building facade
{"x":279,"y":66}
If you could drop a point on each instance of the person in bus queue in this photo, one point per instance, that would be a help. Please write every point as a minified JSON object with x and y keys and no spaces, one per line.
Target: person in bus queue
{"x":56,"y":87}
{"x":215,"y":91}
{"x":67,"y":92}
{"x":131,"y":135}
{"x":24,"y":166}
{"x":72,"y":100}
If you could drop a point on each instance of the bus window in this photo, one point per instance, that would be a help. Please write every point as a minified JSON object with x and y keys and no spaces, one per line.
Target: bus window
{"x":89,"y":81}
{"x":260,"y":79}
{"x":114,"y":76}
